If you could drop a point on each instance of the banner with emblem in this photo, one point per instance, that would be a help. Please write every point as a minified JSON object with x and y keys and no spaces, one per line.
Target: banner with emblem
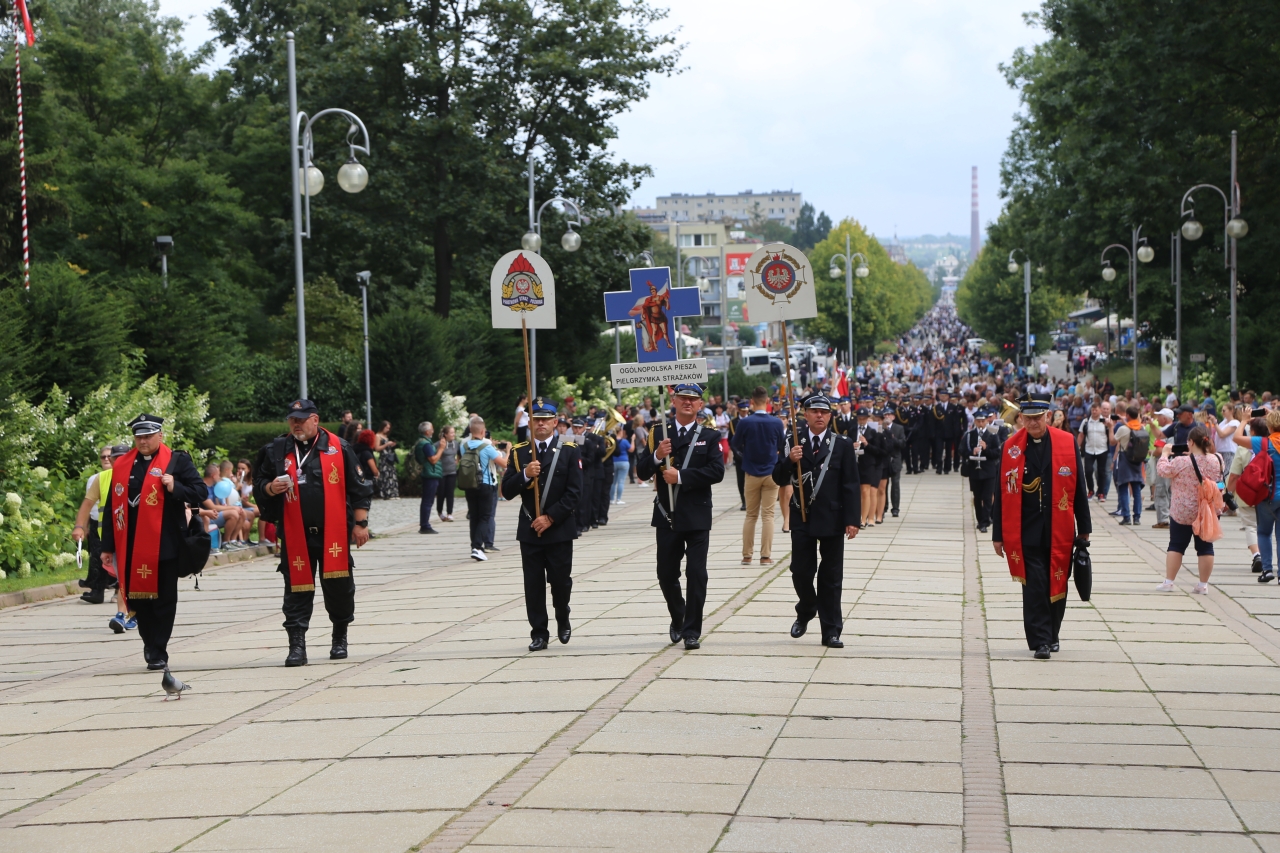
{"x":522,"y":292}
{"x":780,"y":284}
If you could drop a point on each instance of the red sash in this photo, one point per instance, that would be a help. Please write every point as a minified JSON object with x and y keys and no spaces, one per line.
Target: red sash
{"x":1062,"y":526}
{"x":335,"y":562}
{"x":142,"y":577}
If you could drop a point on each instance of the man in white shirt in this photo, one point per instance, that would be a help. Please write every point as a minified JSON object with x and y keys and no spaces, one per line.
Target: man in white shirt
{"x":1095,"y":440}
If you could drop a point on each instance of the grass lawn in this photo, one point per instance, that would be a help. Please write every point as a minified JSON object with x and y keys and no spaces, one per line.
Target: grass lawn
{"x":1120,"y":372}
{"x":13,"y":583}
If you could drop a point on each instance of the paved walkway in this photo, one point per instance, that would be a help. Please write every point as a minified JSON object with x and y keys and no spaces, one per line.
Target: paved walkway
{"x":932,"y":730}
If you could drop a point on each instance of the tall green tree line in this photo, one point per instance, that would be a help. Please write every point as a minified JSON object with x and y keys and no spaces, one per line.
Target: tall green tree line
{"x":129,"y":137}
{"x":1127,"y":105}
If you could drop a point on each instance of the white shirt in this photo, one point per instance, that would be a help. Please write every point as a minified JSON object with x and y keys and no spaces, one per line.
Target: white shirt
{"x":1226,"y":445}
{"x":522,"y":417}
{"x":1095,"y":436}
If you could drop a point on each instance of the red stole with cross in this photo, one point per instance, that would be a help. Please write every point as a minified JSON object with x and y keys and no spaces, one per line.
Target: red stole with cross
{"x":1061,"y":520}
{"x":141,"y":578}
{"x":334,"y":560}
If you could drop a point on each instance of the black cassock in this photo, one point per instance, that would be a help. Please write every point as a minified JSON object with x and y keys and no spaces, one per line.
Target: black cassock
{"x":1041,"y":618}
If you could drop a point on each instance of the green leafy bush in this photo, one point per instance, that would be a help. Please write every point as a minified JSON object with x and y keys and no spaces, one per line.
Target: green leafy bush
{"x":36,"y":516}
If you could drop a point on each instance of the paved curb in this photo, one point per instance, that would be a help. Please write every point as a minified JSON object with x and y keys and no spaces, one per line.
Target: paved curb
{"x":38,"y":593}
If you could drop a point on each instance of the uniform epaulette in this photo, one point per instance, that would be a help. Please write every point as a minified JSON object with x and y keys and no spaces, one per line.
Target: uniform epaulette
{"x":520,"y":445}
{"x":570,"y":442}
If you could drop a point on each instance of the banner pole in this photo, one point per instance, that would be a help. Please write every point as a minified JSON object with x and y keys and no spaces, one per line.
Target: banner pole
{"x":795,"y":413}
{"x":528,"y":384}
{"x":666,"y":433}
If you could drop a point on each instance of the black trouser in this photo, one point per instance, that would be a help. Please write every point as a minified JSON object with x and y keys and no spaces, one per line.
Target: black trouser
{"x":984,"y":498}
{"x":429,"y":487}
{"x":1041,"y":618}
{"x":339,"y":595}
{"x":479,"y":506}
{"x":546,"y":564}
{"x":97,"y":579}
{"x":1097,"y":467}
{"x":584,"y":513}
{"x":156,"y":615}
{"x":938,"y":455}
{"x":825,"y":602}
{"x":686,"y":614}
{"x":919,"y":450}
{"x":601,"y":495}
{"x":895,"y":482}
{"x":742,"y":480}
{"x":444,"y":496}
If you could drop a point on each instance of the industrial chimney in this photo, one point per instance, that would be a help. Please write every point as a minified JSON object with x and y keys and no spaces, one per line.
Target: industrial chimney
{"x":975,"y":230}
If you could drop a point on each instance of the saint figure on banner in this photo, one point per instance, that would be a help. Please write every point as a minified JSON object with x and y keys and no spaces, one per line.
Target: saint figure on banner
{"x":651,"y":322}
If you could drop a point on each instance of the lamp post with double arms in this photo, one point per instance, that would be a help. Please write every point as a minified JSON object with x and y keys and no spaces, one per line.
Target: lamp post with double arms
{"x":1138,"y":251}
{"x":309,"y":180}
{"x":1233,"y":229}
{"x":570,"y":241}
{"x":363,"y":278}
{"x":861,"y":271}
{"x":1026,"y":298}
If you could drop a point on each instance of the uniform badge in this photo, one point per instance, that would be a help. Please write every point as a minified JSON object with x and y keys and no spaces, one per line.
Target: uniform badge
{"x":1064,"y":471}
{"x":155,"y":472}
{"x":1014,"y":452}
{"x":330,"y":450}
{"x":118,"y":488}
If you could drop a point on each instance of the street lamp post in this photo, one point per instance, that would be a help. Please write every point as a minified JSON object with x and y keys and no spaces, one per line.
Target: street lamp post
{"x":1233,"y":229}
{"x":1026,"y":297}
{"x":1138,"y":251}
{"x":861,"y":271}
{"x":164,"y":245}
{"x":309,"y":180}
{"x":363,"y":278}
{"x":571,"y":241}
{"x":1175,"y":271}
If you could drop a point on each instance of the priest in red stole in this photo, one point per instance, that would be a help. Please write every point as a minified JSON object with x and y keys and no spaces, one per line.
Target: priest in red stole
{"x":1040,"y":509}
{"x":309,"y":485}
{"x":151,"y":488}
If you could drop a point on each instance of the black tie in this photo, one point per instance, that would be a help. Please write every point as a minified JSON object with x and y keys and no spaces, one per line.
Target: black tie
{"x":542,"y":447}
{"x":680,"y":434}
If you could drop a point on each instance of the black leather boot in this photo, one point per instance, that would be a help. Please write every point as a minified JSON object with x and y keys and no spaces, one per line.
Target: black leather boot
{"x":338,"y":651}
{"x":297,"y":648}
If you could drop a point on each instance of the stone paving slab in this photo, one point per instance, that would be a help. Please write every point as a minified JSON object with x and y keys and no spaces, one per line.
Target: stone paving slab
{"x":1155,"y":728}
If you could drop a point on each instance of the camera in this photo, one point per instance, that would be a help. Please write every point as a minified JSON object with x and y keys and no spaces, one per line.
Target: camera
{"x":1180,"y":450}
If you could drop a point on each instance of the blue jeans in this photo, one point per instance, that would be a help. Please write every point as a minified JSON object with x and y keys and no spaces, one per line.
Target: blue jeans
{"x":1122,"y":499}
{"x":620,"y":471}
{"x":1267,"y":512}
{"x":429,"y":487}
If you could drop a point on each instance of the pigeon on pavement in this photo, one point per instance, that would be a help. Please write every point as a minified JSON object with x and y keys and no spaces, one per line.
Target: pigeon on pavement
{"x":172,"y":686}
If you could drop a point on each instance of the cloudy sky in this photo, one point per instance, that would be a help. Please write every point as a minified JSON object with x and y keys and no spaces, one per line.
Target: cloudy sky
{"x":875,"y":109}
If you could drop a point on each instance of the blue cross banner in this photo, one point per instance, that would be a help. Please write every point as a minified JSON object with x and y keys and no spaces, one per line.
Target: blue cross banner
{"x":652,"y":306}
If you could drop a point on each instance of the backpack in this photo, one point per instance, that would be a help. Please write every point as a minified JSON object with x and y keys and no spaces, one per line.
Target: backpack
{"x":1257,"y":483}
{"x":194,"y":544}
{"x":1206,"y":524}
{"x":470,"y":473}
{"x":1139,"y":444}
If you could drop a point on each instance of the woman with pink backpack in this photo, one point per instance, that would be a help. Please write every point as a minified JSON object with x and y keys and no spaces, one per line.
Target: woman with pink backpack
{"x":1194,"y":504}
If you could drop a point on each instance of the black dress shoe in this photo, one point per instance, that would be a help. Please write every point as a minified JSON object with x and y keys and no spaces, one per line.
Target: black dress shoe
{"x":1054,"y":648}
{"x":798,"y":628}
{"x":158,"y":663}
{"x":742,"y":508}
{"x":1042,"y":653}
{"x":833,"y":642}
{"x":674,"y":634}
{"x":565,"y":633}
{"x":895,"y":513}
{"x":982,"y":529}
{"x":93,"y":596}
{"x":538,"y":644}
{"x":83,"y":584}
{"x":297,"y":648}
{"x":692,"y":643}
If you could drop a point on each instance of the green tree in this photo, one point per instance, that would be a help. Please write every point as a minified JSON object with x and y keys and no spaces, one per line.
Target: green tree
{"x":990,"y":299}
{"x":886,"y":303}
{"x":1126,"y":106}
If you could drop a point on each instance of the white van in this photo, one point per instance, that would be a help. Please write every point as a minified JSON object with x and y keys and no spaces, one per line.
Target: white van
{"x":755,"y":360}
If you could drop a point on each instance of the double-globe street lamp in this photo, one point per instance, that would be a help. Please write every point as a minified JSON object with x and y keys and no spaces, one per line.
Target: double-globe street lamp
{"x":309,"y":180}
{"x":570,"y":241}
{"x":1138,"y":251}
{"x":1233,"y":229}
{"x":1026,"y":298}
{"x":861,"y":271}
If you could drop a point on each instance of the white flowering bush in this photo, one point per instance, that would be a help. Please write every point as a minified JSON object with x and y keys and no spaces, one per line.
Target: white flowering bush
{"x":48,"y":450}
